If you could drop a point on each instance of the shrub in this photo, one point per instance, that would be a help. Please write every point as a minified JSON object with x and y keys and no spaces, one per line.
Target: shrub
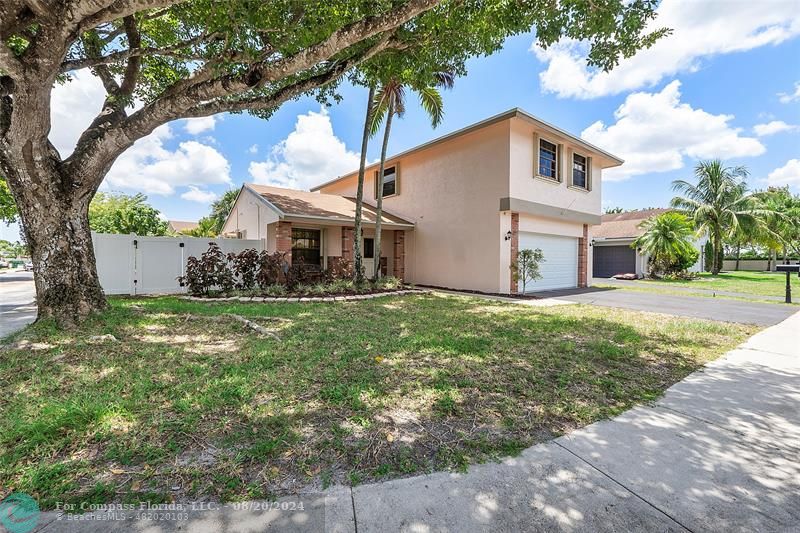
{"x":271,"y":269}
{"x":389,"y":282}
{"x":338,"y":268}
{"x":275,"y":290}
{"x":245,"y":267}
{"x":208,"y":273}
{"x":297,"y":274}
{"x":341,"y":285}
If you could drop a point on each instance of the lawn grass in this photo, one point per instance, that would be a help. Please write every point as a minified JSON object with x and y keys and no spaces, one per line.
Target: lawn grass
{"x":185,"y":406}
{"x":757,"y":283}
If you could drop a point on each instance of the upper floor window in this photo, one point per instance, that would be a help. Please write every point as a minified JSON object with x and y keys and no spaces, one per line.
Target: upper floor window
{"x":389,"y":182}
{"x":580,"y":171}
{"x":548,"y":159}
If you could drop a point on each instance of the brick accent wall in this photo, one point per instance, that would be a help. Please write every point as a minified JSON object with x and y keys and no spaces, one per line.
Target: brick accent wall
{"x":283,"y":239}
{"x":347,"y":244}
{"x":514,"y":250}
{"x":583,"y":258}
{"x":399,"y":260}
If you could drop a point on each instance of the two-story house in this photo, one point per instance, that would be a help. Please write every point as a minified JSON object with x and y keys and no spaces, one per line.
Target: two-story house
{"x":457,"y":209}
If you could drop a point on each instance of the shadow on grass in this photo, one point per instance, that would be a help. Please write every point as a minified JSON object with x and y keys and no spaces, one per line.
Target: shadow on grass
{"x":350,"y":392}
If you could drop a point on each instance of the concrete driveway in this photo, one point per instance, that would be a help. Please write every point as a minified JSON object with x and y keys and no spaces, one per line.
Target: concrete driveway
{"x":17,"y":301}
{"x":725,"y":310}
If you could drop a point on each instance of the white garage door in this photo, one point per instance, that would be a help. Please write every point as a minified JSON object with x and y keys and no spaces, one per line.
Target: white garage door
{"x":559,"y":269}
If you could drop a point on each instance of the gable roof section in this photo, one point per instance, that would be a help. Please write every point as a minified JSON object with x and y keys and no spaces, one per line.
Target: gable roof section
{"x":511,"y":113}
{"x":314,"y":205}
{"x":624,"y":225}
{"x":181,"y":225}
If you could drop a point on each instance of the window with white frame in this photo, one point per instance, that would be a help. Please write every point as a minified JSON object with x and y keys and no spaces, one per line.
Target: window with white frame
{"x":389,"y":182}
{"x":548,"y":159}
{"x":580,"y":171}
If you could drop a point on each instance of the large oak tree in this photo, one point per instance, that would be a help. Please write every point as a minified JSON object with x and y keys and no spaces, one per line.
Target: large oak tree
{"x":192,"y":58}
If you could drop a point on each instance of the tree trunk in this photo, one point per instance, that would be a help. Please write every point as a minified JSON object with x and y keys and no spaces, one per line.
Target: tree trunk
{"x":379,"y":187}
{"x":716,"y":267}
{"x":738,"y":254}
{"x":60,"y":242}
{"x":358,"y":269}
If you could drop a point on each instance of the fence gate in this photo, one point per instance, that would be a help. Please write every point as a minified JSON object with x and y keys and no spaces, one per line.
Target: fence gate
{"x":130,"y":264}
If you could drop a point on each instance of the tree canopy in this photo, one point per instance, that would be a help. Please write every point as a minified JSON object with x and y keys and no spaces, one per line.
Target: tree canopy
{"x":8,"y":208}
{"x":120,"y":213}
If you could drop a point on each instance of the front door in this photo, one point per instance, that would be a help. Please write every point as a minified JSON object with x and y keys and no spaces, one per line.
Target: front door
{"x":369,"y":257}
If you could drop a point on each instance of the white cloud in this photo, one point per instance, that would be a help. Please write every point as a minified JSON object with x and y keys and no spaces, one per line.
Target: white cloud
{"x":701,"y":30}
{"x":253,"y":149}
{"x":788,"y":174}
{"x":785,"y":98}
{"x":773,"y":127}
{"x":149,"y":167}
{"x":200,"y":196}
{"x":309,"y":155}
{"x":653,"y":132}
{"x":73,"y":106}
{"x":200,"y":124}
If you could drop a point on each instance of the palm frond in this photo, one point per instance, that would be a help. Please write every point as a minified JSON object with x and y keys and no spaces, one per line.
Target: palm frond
{"x":432,"y":103}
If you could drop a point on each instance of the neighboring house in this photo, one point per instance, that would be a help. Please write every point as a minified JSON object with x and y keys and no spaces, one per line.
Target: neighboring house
{"x":180,"y":226}
{"x":457,"y":209}
{"x":612,"y":239}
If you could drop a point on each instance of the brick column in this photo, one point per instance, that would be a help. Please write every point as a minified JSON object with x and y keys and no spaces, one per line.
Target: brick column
{"x":348,"y":242}
{"x":583,"y":258}
{"x":399,"y":260}
{"x":514,"y":251}
{"x":283,"y":239}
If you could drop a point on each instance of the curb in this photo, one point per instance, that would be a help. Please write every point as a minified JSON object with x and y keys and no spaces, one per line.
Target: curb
{"x":304,"y":299}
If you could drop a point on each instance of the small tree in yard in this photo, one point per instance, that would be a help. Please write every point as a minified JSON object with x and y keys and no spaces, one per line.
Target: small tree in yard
{"x":667,"y":239}
{"x":527,"y":267}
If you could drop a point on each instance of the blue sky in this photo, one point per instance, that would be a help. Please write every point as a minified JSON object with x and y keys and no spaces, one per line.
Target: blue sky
{"x":726,"y":83}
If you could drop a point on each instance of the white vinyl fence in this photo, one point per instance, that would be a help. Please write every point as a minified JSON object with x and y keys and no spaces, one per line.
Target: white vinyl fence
{"x":754,"y":265}
{"x":130,"y":264}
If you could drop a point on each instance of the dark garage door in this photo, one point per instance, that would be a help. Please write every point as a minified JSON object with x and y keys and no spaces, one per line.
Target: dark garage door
{"x":612,"y":260}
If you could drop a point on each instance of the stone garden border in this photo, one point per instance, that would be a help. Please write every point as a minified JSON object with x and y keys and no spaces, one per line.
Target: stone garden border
{"x":305,"y":299}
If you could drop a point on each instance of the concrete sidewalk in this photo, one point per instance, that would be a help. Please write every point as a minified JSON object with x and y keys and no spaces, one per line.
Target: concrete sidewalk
{"x":719,"y":452}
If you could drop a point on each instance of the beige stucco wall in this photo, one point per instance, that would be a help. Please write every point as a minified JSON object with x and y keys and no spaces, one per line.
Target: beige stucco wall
{"x":251,"y":216}
{"x":524,"y":159}
{"x":451,"y":191}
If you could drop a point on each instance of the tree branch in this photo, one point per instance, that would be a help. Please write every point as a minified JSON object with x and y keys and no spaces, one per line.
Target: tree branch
{"x":92,"y":13}
{"x":9,"y":62}
{"x":132,"y":69}
{"x":108,"y":137}
{"x":122,"y":55}
{"x":260,"y":102}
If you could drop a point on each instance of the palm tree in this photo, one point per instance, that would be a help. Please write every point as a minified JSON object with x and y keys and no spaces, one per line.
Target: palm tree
{"x":666,"y":239}
{"x":389,"y":101}
{"x":220,"y":210}
{"x":782,"y":231}
{"x":358,"y":273}
{"x":719,"y":204}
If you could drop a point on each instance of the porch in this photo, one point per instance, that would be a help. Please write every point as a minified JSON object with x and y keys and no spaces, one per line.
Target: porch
{"x":324,"y":246}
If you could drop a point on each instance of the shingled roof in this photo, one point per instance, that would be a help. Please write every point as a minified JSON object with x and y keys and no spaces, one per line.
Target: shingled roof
{"x":294,"y":203}
{"x":624,"y":225}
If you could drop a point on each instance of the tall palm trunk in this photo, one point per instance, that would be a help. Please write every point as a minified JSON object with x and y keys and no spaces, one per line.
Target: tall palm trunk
{"x":738,"y":254}
{"x":716,"y":267}
{"x":379,"y":199}
{"x":358,"y":268}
